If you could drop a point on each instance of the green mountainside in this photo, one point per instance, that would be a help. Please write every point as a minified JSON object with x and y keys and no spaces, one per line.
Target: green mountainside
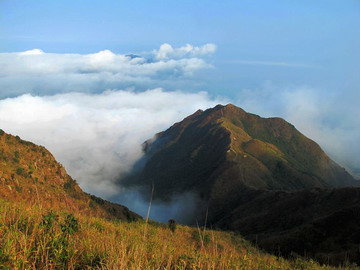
{"x":222,"y":150}
{"x":236,"y":161}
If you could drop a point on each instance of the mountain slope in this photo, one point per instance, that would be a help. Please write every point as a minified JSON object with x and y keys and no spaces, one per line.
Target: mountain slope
{"x":224,"y":149}
{"x":29,"y":174}
{"x":248,"y":171}
{"x":320,"y":223}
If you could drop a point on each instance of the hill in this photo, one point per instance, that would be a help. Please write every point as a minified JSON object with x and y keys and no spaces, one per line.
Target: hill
{"x":30,"y":174}
{"x":247,"y":170}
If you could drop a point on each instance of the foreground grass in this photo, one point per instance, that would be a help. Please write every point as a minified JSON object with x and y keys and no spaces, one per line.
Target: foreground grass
{"x":33,"y":238}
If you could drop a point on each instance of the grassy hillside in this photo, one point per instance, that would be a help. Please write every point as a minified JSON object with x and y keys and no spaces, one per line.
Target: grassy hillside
{"x":34,"y":238}
{"x":29,"y":173}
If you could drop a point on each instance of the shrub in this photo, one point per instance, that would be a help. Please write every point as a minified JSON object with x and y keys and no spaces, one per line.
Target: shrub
{"x":4,"y":259}
{"x":49,"y":220}
{"x":71,"y":225}
{"x":69,"y":185}
{"x":18,"y":188}
{"x":172,"y":225}
{"x":21,"y":172}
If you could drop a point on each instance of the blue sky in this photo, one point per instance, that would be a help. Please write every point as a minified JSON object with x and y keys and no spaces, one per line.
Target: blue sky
{"x":321,"y":39}
{"x":299,"y":60}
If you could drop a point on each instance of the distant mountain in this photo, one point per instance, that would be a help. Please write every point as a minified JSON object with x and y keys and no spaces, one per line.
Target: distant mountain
{"x":29,"y":174}
{"x":247,"y":169}
{"x":220,"y":151}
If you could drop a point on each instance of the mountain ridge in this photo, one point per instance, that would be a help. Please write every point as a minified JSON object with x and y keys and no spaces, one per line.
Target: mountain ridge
{"x":279,"y":155}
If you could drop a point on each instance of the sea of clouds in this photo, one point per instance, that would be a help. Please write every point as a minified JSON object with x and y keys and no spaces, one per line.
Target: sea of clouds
{"x":93,"y":112}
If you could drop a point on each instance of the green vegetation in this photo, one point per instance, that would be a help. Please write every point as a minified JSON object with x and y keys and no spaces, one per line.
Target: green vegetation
{"x":22,"y":172}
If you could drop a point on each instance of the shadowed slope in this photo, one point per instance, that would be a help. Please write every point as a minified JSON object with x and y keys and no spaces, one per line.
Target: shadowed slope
{"x":320,"y":223}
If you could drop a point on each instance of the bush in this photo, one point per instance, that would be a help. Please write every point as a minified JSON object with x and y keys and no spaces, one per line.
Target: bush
{"x":4,"y":259}
{"x":49,"y":220}
{"x":21,"y":172}
{"x":16,"y":156}
{"x":69,"y":185}
{"x":71,"y":225}
{"x":57,"y":246}
{"x":172,"y":225}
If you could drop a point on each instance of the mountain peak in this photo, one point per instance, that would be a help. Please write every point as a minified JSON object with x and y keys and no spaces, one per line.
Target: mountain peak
{"x":227,"y":146}
{"x":228,"y":108}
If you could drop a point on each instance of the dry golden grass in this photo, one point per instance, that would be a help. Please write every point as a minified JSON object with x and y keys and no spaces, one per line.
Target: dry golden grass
{"x":33,"y":238}
{"x":30,"y":174}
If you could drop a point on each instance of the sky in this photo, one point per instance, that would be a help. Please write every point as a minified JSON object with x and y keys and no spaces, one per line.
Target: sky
{"x":91,"y":80}
{"x":285,"y":42}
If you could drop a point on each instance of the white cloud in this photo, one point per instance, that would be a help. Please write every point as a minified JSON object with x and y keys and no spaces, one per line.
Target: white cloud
{"x":37,"y":72}
{"x":97,"y":136}
{"x":166,"y":51}
{"x":32,"y":52}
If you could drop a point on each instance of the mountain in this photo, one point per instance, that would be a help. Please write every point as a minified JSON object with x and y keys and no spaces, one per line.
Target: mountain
{"x":220,"y":151}
{"x":247,"y":170}
{"x":29,"y":174}
{"x":48,"y":222}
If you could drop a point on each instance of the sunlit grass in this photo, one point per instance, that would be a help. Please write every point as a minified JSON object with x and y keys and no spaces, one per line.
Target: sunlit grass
{"x":33,"y":238}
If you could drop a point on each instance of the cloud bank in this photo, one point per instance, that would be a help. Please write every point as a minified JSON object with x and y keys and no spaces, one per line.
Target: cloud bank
{"x":166,"y":51}
{"x":97,"y":137}
{"x":41,"y":73}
